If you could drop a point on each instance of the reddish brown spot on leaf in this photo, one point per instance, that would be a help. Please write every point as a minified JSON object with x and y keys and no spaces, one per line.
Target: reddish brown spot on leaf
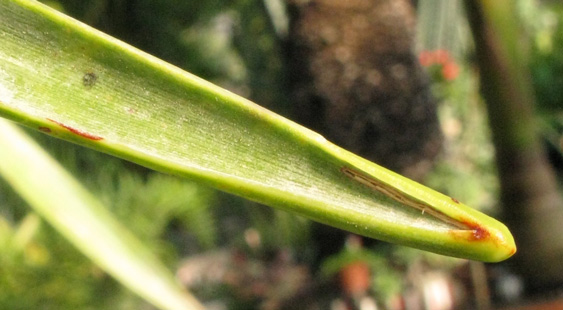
{"x":454,"y":200}
{"x":77,"y":131}
{"x":479,"y":233}
{"x":45,"y":129}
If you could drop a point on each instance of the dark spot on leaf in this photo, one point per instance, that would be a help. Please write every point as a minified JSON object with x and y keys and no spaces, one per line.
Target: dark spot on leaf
{"x":454,"y":200}
{"x":89,"y":79}
{"x":45,"y":129}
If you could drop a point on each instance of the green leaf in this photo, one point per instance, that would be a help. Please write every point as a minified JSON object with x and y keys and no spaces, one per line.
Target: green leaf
{"x":81,"y":218}
{"x":64,"y":78}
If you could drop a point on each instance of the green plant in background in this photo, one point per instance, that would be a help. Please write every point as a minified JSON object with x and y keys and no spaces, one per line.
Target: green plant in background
{"x":466,"y":168}
{"x":80,"y":217}
{"x":273,"y":160}
{"x":546,"y":64}
{"x":528,"y":186}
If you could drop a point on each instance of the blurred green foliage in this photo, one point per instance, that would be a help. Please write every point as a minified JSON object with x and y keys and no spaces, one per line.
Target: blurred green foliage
{"x":546,"y":57}
{"x":547,"y":74}
{"x":466,"y":168}
{"x":40,"y":270}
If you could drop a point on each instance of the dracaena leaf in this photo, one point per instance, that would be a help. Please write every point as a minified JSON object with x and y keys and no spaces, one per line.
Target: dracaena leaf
{"x":64,"y":78}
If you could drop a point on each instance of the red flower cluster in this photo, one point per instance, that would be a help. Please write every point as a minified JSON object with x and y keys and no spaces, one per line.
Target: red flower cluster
{"x":442,"y":59}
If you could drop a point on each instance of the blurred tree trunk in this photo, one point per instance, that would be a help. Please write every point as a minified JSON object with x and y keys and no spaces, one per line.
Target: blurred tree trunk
{"x":532,"y":206}
{"x":356,"y":79}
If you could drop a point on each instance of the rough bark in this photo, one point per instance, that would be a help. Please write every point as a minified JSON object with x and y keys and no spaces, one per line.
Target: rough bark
{"x":357,"y":80}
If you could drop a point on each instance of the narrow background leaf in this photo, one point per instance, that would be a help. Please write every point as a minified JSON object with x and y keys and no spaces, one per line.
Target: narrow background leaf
{"x":80,"y":217}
